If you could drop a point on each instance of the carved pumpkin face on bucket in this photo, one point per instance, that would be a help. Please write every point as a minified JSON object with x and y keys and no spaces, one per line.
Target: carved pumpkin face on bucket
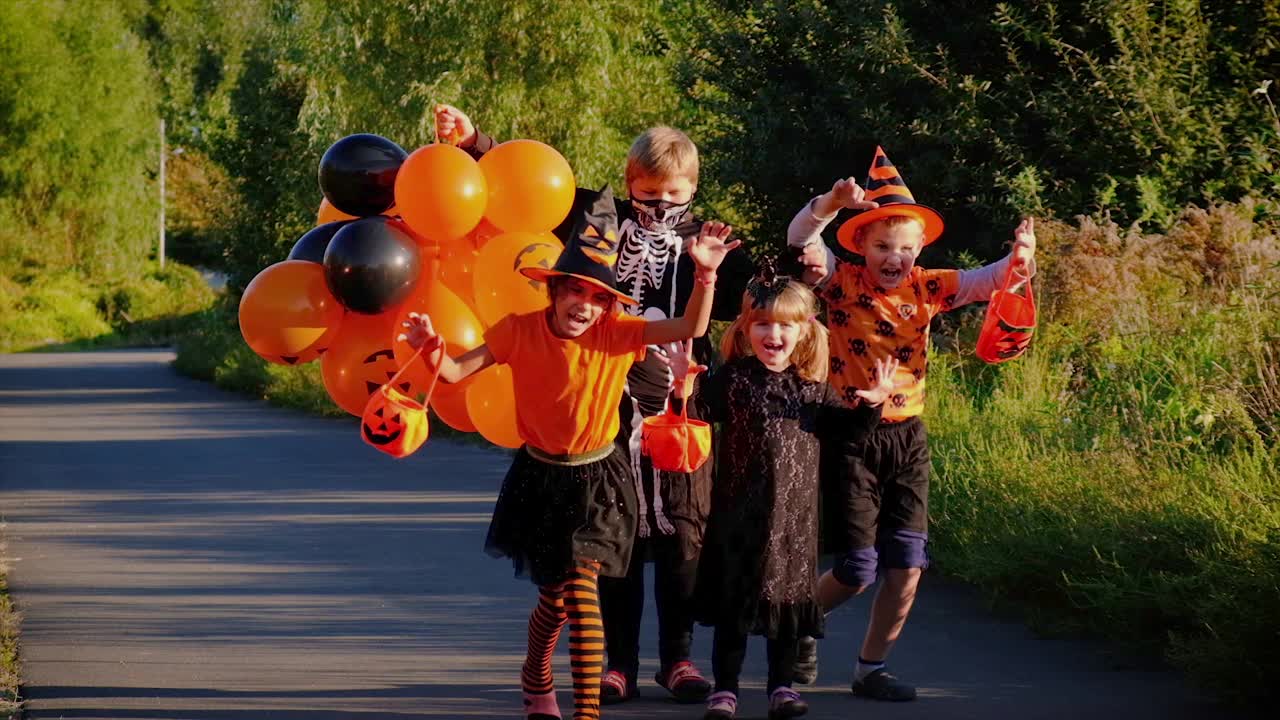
{"x":394,"y":423}
{"x":1009,"y":323}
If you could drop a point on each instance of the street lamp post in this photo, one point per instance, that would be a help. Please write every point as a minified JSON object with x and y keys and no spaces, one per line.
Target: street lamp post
{"x":162,"y":156}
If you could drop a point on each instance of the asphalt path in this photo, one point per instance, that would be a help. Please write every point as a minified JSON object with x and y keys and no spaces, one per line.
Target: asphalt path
{"x":181,"y":552}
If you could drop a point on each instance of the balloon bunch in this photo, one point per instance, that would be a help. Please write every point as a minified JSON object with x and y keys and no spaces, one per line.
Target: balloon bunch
{"x":432,"y":231}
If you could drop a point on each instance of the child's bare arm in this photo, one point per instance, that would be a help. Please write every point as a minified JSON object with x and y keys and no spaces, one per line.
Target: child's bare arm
{"x":419,"y":333}
{"x":708,"y":251}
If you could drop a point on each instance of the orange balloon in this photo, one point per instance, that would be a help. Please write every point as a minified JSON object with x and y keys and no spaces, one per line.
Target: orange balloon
{"x":287,"y":314}
{"x":441,"y":192}
{"x":483,"y":233}
{"x":361,"y":360}
{"x":457,"y":269}
{"x":328,"y":213}
{"x":450,"y":317}
{"x":450,"y":403}
{"x":531,"y":186}
{"x":499,"y":287}
{"x":491,"y":406}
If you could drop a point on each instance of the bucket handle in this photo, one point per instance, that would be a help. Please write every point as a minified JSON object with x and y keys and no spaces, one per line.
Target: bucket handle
{"x":1008,"y":281}
{"x":431,"y":389}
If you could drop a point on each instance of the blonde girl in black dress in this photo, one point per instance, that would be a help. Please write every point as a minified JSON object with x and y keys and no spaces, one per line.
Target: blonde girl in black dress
{"x":758,"y":572}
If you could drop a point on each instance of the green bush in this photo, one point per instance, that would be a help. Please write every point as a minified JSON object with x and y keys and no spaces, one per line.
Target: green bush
{"x":67,"y":309}
{"x":79,"y":139}
{"x":1121,"y":477}
{"x":990,"y":109}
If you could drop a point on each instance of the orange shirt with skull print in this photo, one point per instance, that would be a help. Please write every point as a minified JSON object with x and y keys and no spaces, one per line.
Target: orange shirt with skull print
{"x":869,"y":322}
{"x":567,"y":390}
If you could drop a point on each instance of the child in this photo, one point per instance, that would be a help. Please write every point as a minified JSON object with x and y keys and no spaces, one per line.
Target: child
{"x":758,"y":570}
{"x":884,"y":306}
{"x":654,"y":267}
{"x":567,"y":510}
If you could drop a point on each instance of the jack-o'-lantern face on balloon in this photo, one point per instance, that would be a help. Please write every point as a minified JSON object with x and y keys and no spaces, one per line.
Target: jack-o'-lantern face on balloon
{"x":500,"y":287}
{"x":361,"y":360}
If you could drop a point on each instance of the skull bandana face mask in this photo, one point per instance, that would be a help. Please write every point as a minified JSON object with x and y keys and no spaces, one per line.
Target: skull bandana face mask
{"x":658,"y":214}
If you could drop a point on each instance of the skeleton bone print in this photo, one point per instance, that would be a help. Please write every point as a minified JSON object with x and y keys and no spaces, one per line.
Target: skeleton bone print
{"x":647,"y":261}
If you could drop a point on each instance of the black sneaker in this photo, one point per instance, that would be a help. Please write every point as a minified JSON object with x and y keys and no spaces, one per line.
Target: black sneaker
{"x":806,"y":667}
{"x":882,"y":685}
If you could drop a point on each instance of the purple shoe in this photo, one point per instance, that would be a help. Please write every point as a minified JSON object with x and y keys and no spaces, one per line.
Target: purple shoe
{"x":721,"y":705}
{"x":785,"y":703}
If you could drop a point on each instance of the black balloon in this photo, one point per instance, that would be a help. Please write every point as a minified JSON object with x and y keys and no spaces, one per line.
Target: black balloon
{"x":358,"y":173}
{"x":372,"y":264}
{"x":311,"y":247}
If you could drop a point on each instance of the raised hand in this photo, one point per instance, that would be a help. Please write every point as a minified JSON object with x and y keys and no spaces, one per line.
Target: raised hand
{"x":711,"y":245}
{"x":679,"y":357}
{"x":453,"y":126}
{"x":418,"y":332}
{"x":845,"y":193}
{"x":851,"y":195}
{"x":1024,"y":243}
{"x":884,"y":383}
{"x":814,"y":261}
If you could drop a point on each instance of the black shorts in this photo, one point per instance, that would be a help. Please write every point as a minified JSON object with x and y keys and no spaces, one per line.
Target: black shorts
{"x":876,"y":504}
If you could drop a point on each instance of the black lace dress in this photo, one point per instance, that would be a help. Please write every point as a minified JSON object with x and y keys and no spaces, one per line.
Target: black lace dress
{"x":758,"y":572}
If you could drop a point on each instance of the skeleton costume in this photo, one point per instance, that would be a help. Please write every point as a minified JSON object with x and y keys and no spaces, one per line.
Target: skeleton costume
{"x":655,"y":269}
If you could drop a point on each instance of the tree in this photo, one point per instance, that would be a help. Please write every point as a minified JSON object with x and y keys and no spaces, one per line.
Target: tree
{"x":78,"y":138}
{"x":1118,"y":106}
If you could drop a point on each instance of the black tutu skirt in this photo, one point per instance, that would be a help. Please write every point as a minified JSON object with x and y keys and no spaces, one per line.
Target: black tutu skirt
{"x":549,"y":518}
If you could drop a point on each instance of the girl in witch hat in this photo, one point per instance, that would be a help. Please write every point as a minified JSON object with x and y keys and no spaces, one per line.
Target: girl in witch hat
{"x":758,"y":571}
{"x":567,"y":511}
{"x":878,"y":504}
{"x":656,"y":226}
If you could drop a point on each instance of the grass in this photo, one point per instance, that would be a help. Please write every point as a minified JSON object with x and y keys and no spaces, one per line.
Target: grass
{"x":43,"y":308}
{"x":10,"y":670}
{"x":1121,"y":478}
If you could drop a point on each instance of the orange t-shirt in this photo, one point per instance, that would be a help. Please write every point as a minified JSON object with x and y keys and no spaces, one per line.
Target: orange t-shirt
{"x":567,"y":390}
{"x":869,"y":322}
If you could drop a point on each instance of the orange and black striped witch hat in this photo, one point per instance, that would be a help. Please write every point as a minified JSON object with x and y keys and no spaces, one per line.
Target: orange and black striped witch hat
{"x":886,"y":186}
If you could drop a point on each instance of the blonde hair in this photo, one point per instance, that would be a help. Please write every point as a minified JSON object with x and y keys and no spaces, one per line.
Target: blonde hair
{"x":796,"y":303}
{"x":888,"y":222}
{"x":662,"y":152}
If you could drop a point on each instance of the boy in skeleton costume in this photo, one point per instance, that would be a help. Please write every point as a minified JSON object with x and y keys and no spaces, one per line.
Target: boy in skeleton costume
{"x":655,"y":225}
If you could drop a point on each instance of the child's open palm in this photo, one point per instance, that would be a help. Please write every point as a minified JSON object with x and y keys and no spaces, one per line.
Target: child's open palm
{"x":711,"y":245}
{"x":884,"y":383}
{"x":679,"y":357}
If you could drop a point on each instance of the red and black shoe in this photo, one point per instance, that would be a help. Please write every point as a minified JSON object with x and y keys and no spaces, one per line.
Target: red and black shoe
{"x":684,"y":682}
{"x":616,"y":688}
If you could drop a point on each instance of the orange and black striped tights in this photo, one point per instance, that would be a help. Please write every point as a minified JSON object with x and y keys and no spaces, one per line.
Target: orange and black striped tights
{"x":577,"y":600}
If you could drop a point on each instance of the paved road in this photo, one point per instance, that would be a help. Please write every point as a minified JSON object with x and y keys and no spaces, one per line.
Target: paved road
{"x":180,"y":552}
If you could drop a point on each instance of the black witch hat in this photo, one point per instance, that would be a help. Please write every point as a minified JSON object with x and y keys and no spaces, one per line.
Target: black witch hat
{"x":592,"y":251}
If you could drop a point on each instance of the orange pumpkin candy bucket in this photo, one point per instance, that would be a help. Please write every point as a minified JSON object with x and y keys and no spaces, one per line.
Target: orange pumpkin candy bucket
{"x":1009,"y":323}
{"x":675,"y":443}
{"x":393,"y":422}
